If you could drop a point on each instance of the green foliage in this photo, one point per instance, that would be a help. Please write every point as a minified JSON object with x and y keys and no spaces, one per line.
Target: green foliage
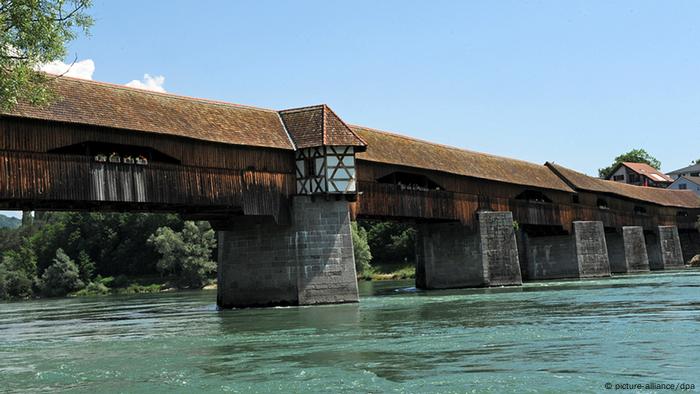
{"x":86,"y":267}
{"x":33,"y":32}
{"x":22,"y":259}
{"x":14,"y":284}
{"x":186,"y":255}
{"x":391,"y":243}
{"x":92,"y":289}
{"x":111,"y":240}
{"x":61,"y":277}
{"x":633,"y":156}
{"x":136,"y":288}
{"x":17,"y":273}
{"x":363,"y":256}
{"x":9,"y":222}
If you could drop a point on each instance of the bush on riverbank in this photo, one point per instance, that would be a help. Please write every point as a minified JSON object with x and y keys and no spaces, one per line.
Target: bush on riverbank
{"x":61,"y":277}
{"x":94,"y":247}
{"x":186,"y":255}
{"x":363,"y":256}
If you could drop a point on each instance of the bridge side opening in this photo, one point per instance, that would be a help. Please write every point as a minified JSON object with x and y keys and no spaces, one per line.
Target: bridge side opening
{"x":410,"y":181}
{"x":602,"y":203}
{"x":640,"y":210}
{"x":104,"y":151}
{"x":533,"y":196}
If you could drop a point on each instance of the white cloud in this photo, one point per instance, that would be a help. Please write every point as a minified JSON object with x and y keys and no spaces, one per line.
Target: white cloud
{"x":82,"y":69}
{"x":154,"y":83}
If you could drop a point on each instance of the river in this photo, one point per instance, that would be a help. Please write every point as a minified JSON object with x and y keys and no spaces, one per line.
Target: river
{"x":573,"y":336}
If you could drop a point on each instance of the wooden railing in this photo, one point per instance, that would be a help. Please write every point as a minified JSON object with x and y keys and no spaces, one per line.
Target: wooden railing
{"x":47,"y":177}
{"x":387,"y":200}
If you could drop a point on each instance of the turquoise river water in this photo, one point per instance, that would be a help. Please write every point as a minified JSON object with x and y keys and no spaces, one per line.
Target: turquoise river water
{"x":572,"y":336}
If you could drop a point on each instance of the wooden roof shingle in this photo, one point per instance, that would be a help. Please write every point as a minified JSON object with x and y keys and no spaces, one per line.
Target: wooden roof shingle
{"x":654,"y":195}
{"x":101,"y":104}
{"x":389,"y":148}
{"x":318,"y":126}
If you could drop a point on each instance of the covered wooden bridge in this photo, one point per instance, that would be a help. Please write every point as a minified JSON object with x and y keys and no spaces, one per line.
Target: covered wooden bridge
{"x":281,"y":187}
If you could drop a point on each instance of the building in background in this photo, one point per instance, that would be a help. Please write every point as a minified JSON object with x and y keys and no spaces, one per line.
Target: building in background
{"x":640,"y":174}
{"x":687,"y":183}
{"x":693,"y":171}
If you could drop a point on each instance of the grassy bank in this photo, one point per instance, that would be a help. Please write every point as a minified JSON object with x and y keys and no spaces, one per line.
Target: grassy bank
{"x":125,"y":285}
{"x":388,"y":272}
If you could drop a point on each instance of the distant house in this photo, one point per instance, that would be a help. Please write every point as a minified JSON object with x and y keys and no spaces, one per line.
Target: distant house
{"x":687,"y":183}
{"x":640,"y":174}
{"x":693,"y":170}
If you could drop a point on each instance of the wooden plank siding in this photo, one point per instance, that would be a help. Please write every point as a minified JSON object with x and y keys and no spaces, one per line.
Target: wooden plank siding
{"x":63,"y":181}
{"x":388,"y":201}
{"x":462,"y":197}
{"x":29,"y":135}
{"x":225,"y":179}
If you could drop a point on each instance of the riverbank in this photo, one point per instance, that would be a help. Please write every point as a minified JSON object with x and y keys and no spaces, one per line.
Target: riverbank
{"x":388,"y":272}
{"x":122,"y":285}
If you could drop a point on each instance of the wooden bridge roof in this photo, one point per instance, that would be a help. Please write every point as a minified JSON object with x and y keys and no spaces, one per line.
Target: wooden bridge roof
{"x":654,"y":195}
{"x":97,"y":103}
{"x":384,"y":147}
{"x":318,"y":126}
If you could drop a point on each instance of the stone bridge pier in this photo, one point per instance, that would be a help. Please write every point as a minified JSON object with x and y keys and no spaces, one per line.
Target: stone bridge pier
{"x":664,"y":248}
{"x":627,"y":250}
{"x":310,"y":261}
{"x":451,"y":255}
{"x":582,"y":254}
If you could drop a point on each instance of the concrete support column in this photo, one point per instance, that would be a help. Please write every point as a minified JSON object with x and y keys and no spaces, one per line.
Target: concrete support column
{"x":583,"y":254}
{"x":450,"y":255}
{"x":307,"y":262}
{"x":627,"y":250}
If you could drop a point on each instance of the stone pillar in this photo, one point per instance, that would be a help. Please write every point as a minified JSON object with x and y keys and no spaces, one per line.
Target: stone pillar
{"x":690,"y":243}
{"x":583,"y":254}
{"x":627,"y":250}
{"x":307,"y":262}
{"x":450,"y":255}
{"x":591,"y":250}
{"x":670,"y":247}
{"x":499,"y":249}
{"x":636,"y":255}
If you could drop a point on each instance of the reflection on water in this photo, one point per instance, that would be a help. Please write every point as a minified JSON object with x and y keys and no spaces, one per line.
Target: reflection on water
{"x":545,"y":336}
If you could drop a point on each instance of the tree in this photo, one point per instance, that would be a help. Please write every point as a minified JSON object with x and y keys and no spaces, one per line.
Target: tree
{"x":17,"y":273}
{"x":62,"y":277}
{"x":14,"y":284}
{"x":186,"y":255}
{"x":633,"y":156}
{"x":390,"y":242}
{"x":33,"y":32}
{"x":111,"y":240}
{"x":86,"y":267}
{"x":363,"y":256}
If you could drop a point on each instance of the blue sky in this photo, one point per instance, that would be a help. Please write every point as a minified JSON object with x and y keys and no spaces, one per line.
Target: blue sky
{"x":572,"y":82}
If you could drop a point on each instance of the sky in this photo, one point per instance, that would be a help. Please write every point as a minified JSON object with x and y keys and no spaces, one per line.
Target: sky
{"x":575,"y":82}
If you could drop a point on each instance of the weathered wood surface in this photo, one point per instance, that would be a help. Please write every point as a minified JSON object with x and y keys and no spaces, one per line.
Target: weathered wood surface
{"x":389,"y":201}
{"x":39,"y":177}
